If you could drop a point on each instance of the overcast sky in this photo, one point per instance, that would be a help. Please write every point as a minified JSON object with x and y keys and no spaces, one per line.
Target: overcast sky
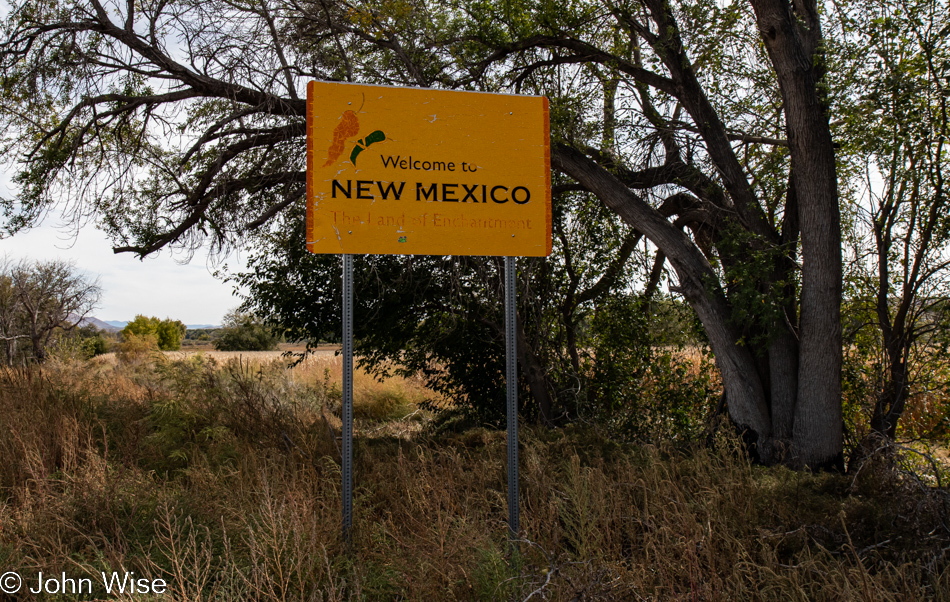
{"x":158,"y":286}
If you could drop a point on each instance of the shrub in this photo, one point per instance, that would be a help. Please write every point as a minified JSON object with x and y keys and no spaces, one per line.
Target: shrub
{"x":644,"y":383}
{"x":168,"y":333}
{"x":245,"y":332}
{"x":96,"y":345}
{"x":136,"y":348}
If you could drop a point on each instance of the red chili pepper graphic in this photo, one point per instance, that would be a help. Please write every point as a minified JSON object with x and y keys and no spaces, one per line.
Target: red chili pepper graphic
{"x":348,"y":127}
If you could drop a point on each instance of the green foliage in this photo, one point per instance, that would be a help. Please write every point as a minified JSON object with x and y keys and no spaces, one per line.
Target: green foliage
{"x":168,"y":333}
{"x":96,"y":345}
{"x":92,"y":342}
{"x":245,"y":332}
{"x":647,"y":382}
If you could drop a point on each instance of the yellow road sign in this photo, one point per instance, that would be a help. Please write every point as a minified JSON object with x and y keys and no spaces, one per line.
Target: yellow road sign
{"x":427,"y":172}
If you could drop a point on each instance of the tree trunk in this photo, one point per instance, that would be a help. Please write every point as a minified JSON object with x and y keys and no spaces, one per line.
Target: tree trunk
{"x":10,"y":349}
{"x":697,"y":282}
{"x":39,"y":350}
{"x":793,"y":44}
{"x":783,"y":385}
{"x":890,"y":402}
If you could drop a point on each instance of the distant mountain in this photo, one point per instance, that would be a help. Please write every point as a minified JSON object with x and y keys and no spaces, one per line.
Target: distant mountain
{"x":116,"y":325}
{"x":91,"y":321}
{"x":119,"y":325}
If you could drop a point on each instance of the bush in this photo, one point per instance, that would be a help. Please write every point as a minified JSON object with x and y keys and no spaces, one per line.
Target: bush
{"x":168,"y":333}
{"x":136,"y":348}
{"x":645,"y":383}
{"x":95,"y":345}
{"x":245,"y":332}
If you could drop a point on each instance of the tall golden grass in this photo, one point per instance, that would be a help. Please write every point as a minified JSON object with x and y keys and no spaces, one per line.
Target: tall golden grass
{"x":223,"y":480}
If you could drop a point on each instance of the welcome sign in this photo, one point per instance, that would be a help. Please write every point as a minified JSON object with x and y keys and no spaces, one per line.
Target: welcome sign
{"x":428,"y":172}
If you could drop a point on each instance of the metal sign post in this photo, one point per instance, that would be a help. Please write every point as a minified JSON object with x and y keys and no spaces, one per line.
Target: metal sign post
{"x":347,"y":428}
{"x":511,"y":381}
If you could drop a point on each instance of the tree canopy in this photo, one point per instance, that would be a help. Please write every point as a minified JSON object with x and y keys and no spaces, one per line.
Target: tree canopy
{"x":37,"y":301}
{"x":244,"y":332}
{"x":167,"y":333}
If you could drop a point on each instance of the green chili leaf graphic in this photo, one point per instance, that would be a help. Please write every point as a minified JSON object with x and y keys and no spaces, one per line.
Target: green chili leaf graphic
{"x":377,"y":136}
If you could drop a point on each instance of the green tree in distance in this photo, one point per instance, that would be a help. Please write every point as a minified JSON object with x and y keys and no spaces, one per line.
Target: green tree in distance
{"x":244,"y":332}
{"x":168,"y":333}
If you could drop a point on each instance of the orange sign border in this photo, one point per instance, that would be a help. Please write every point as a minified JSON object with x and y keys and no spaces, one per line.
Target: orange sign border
{"x":310,"y":175}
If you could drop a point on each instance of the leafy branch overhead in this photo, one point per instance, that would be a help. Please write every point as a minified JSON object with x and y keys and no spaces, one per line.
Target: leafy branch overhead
{"x":162,"y":122}
{"x":180,"y":124}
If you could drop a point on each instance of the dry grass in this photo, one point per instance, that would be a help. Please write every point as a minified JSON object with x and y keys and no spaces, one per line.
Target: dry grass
{"x":223,"y":480}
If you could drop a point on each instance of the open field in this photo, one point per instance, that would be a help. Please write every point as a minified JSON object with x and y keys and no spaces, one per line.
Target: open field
{"x":252,"y":356}
{"x":221,"y":477}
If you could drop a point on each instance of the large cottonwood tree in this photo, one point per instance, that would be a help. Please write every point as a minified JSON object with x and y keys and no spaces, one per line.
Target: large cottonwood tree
{"x":738,"y":189}
{"x":180,"y":124}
